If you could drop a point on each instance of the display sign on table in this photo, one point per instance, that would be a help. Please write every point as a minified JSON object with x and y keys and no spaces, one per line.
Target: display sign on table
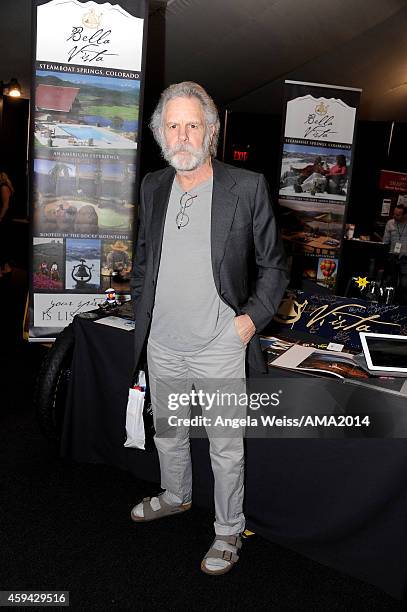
{"x":338,"y":319}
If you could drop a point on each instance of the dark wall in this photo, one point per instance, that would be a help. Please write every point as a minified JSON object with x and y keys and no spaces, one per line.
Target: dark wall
{"x":150,"y":158}
{"x":13,"y":154}
{"x":262,"y":135}
{"x":371,"y":156}
{"x":397,"y":159}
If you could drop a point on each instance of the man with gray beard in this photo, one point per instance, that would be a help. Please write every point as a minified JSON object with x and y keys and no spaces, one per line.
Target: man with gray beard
{"x":209,"y":273}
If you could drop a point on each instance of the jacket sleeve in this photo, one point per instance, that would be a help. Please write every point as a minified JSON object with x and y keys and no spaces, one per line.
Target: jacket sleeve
{"x":272,"y":270}
{"x":139,"y":260}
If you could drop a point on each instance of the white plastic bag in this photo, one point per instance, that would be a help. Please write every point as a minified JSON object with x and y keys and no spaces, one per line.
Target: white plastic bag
{"x":134,"y":416}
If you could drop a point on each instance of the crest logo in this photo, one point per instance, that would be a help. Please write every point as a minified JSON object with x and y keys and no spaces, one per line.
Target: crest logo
{"x":321,"y":108}
{"x":290,"y":310}
{"x":91,"y":19}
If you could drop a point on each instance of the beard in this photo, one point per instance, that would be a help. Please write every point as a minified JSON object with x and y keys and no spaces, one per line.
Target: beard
{"x":184,"y":157}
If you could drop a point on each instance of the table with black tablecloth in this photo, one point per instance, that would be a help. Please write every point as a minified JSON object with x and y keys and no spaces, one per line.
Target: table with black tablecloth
{"x":341,"y":502}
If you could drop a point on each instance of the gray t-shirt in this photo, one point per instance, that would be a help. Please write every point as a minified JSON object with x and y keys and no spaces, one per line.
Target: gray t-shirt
{"x":188,"y":312}
{"x":396,"y":232}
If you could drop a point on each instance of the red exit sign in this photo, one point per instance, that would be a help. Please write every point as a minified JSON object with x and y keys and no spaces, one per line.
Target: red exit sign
{"x":240,"y":155}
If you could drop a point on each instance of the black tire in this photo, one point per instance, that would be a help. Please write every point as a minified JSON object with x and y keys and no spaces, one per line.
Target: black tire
{"x":52,"y":385}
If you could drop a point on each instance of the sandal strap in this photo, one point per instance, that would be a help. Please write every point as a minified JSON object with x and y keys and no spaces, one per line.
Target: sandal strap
{"x":226,"y":555}
{"x":148,"y":512}
{"x":234,"y":540}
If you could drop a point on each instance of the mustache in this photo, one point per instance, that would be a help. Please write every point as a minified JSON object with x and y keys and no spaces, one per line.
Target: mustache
{"x":182,"y":148}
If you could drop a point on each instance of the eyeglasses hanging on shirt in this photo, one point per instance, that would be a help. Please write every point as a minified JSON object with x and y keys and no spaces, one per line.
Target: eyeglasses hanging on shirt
{"x":182,"y":219}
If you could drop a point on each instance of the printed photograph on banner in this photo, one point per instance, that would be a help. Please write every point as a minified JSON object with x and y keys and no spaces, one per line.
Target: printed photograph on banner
{"x":83,"y":197}
{"x":309,"y":268}
{"x":116,"y":264}
{"x":311,"y":227}
{"x":327,"y":271}
{"x":314,"y":172}
{"x":82,"y":270}
{"x":48,"y":264}
{"x":85,"y":113}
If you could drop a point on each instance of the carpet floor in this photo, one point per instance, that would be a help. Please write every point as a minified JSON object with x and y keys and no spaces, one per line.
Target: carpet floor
{"x":65,"y":526}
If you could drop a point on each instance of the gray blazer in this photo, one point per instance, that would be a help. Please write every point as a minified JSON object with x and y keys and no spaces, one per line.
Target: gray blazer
{"x":248,"y":261}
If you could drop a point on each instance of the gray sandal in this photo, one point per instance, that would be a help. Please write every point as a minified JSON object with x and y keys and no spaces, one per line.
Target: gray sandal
{"x":151,"y":515}
{"x":231,"y":557}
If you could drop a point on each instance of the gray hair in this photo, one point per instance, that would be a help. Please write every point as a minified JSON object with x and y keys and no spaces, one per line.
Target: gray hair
{"x":186,"y":89}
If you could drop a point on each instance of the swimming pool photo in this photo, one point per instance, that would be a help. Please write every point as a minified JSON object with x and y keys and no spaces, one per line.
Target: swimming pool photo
{"x":88,"y":131}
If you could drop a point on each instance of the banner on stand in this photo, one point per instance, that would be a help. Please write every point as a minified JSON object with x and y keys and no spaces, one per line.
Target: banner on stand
{"x":315,"y":175}
{"x":88,"y":79}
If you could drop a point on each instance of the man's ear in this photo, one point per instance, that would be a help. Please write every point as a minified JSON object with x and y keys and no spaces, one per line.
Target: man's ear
{"x":212,"y":132}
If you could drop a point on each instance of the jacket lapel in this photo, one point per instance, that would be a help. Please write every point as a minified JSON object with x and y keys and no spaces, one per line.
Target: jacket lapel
{"x":224,"y":202}
{"x":161,"y":197}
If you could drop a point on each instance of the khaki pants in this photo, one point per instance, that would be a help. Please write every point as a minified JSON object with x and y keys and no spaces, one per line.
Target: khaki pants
{"x":169,"y":372}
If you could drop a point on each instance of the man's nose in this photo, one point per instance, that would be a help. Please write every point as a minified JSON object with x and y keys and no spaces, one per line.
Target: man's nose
{"x":183,"y":133}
